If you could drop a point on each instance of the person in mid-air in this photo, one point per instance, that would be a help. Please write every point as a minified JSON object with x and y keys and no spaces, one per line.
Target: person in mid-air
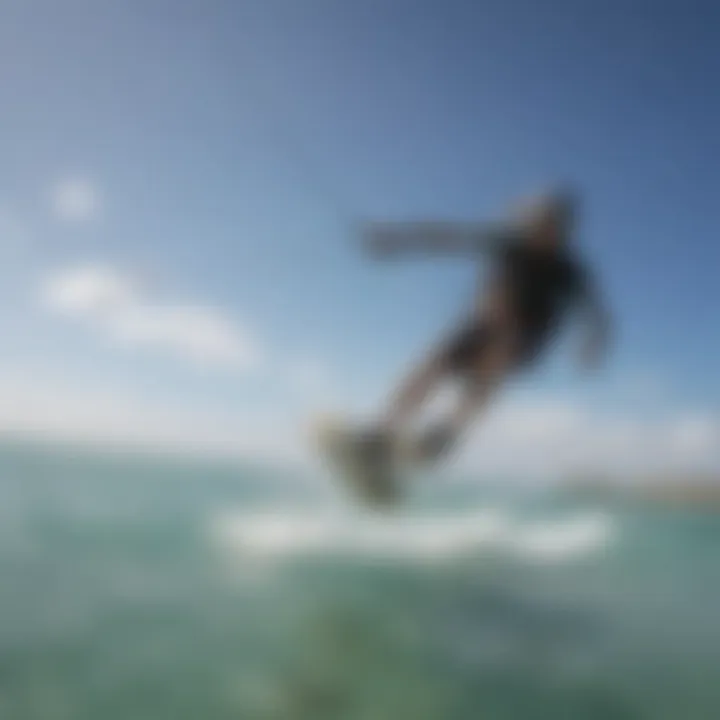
{"x":537,"y":280}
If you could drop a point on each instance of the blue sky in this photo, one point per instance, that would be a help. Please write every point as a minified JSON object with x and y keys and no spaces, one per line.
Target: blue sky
{"x":220,"y":152}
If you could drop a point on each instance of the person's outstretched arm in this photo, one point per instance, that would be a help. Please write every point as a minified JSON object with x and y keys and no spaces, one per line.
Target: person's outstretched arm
{"x":392,"y":239}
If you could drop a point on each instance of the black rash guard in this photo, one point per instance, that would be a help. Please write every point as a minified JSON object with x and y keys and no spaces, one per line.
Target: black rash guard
{"x":542,"y":286}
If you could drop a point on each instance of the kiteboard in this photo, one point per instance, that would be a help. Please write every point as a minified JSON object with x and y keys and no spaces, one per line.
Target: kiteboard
{"x":374,"y":478}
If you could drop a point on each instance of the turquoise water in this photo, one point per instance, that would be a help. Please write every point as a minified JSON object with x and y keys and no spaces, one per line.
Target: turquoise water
{"x":149,"y":590}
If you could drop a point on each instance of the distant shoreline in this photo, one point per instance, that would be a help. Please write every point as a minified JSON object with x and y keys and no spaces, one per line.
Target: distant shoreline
{"x":696,"y":491}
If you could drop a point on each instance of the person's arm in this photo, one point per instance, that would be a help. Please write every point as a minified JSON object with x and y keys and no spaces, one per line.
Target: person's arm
{"x":598,"y":324}
{"x":392,"y":239}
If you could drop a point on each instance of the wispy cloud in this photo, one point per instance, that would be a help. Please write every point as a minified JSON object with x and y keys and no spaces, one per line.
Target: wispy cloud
{"x":548,"y":438}
{"x":75,"y":200}
{"x":49,"y":407}
{"x":695,"y":434}
{"x":116,"y":307}
{"x":525,"y":439}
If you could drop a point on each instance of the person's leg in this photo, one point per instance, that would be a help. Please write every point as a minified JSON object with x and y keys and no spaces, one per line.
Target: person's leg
{"x":455,"y":355}
{"x":485,"y":378}
{"x":376,"y":442}
{"x":482,"y":379}
{"x":413,"y":391}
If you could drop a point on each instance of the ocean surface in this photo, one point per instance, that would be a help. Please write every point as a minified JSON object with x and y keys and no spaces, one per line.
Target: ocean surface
{"x":147,"y":589}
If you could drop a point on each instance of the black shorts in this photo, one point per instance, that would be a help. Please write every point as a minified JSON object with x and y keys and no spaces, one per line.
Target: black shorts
{"x":465,"y":348}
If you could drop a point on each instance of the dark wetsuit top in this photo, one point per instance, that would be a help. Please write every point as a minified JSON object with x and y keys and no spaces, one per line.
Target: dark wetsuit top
{"x":542,"y":287}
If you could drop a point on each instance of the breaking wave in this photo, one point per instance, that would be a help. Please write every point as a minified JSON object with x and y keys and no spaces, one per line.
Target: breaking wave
{"x":427,"y":538}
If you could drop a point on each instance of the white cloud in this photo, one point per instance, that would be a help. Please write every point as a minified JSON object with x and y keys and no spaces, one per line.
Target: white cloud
{"x":201,"y":334}
{"x":89,"y":291}
{"x":525,"y":439}
{"x":75,"y":200}
{"x":39,"y":405}
{"x":119,"y":309}
{"x":695,"y":435}
{"x":552,"y":438}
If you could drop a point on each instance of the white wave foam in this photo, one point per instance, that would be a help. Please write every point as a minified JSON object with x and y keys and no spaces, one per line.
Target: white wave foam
{"x":423,"y":538}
